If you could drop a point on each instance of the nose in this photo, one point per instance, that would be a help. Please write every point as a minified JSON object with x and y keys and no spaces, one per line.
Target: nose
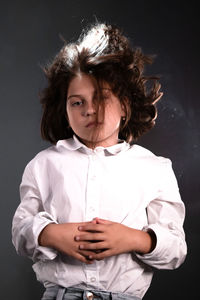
{"x":89,"y":109}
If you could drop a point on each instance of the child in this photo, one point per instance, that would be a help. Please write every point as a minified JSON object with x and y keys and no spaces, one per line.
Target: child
{"x":97,"y":211}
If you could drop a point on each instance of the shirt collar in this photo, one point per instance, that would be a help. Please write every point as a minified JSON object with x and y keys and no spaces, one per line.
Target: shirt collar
{"x":75,"y":144}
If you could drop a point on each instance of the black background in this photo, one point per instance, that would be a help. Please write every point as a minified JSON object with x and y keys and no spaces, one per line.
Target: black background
{"x":29,"y":37}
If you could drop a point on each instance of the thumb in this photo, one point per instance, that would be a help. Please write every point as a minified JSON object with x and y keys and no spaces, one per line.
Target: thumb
{"x":102,"y":221}
{"x":94,"y":221}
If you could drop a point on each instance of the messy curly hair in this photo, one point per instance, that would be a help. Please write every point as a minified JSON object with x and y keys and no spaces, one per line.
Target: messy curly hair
{"x":103,"y":52}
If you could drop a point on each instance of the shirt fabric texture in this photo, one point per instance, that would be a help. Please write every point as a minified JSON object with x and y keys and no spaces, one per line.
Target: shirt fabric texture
{"x":69,"y":182}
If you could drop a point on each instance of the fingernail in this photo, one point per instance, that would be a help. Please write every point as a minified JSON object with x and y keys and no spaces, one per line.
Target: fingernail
{"x":77,"y":238}
{"x":81,"y":246}
{"x":80,"y":228}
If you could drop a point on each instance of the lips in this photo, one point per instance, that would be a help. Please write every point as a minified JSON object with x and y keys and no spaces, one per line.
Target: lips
{"x":92,"y":124}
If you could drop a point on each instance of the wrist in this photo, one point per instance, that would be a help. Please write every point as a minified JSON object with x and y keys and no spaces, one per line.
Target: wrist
{"x":45,"y":238}
{"x":145,"y":241}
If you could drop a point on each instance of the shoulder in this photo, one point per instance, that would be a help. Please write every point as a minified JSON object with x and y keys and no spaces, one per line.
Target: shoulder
{"x":50,"y":155}
{"x":146,"y":157}
{"x":40,"y":159}
{"x":153,"y":167}
{"x":43,"y":155}
{"x":139,"y":151}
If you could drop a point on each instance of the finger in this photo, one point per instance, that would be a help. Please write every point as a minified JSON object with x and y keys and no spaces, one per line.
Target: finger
{"x":92,"y":227}
{"x":102,"y":221}
{"x":86,"y":253}
{"x":93,"y":246}
{"x":84,"y":223}
{"x":101,"y":255}
{"x":90,"y":237}
{"x":85,"y":259}
{"x":94,"y":221}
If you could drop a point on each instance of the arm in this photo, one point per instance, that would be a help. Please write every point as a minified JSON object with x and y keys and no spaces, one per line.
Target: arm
{"x":30,"y":219}
{"x":36,"y":233}
{"x":166,"y":215}
{"x":61,"y":238}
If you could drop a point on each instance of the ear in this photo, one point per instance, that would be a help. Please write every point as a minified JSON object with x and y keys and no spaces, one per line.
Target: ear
{"x":124,"y":107}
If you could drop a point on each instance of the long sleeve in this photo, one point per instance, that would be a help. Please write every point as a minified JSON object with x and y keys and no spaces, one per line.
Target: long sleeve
{"x":166,"y":215}
{"x":69,"y":182}
{"x":29,"y":220}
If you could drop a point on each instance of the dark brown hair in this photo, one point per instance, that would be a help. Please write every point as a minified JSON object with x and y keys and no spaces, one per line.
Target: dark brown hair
{"x":106,"y":54}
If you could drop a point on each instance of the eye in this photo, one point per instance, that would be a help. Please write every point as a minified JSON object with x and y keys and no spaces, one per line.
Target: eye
{"x":77,"y":103}
{"x":106,"y":97}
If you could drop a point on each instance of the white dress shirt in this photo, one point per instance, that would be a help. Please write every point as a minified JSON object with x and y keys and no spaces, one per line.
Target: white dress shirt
{"x":69,"y":182}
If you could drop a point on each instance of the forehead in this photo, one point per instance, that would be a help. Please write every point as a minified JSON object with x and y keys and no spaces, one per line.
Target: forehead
{"x":83,"y":83}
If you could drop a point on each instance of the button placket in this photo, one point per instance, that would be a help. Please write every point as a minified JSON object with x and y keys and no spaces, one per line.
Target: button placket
{"x":92,"y":276}
{"x":91,"y":192}
{"x":92,"y":211}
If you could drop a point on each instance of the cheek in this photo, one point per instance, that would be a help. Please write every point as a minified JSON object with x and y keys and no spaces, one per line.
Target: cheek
{"x":67,"y":116}
{"x":115,"y":115}
{"x":71,"y":120}
{"x":69,"y":113}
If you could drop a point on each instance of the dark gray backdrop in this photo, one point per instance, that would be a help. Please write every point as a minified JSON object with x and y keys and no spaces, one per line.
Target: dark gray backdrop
{"x":29,"y":36}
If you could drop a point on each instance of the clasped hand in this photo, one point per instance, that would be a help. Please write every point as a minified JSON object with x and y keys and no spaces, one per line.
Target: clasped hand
{"x":104,"y":238}
{"x":95,"y":240}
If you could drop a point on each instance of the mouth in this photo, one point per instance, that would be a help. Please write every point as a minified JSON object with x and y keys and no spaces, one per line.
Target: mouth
{"x":93,"y":124}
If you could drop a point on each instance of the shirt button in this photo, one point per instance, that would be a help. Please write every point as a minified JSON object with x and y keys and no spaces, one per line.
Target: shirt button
{"x":92,"y":279}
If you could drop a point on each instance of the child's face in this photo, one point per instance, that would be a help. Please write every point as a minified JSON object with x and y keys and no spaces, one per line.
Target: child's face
{"x":93,"y":130}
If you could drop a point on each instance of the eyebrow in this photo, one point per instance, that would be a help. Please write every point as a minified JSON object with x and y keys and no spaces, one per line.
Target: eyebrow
{"x":71,"y":96}
{"x":80,"y":96}
{"x":109,"y":89}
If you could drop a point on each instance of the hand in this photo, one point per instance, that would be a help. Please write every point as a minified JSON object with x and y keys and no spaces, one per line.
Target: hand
{"x":61,"y":238}
{"x":110,"y":238}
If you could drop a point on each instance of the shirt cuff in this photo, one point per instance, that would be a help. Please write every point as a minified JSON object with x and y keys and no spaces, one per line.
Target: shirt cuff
{"x":42,"y":253}
{"x":167,"y":253}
